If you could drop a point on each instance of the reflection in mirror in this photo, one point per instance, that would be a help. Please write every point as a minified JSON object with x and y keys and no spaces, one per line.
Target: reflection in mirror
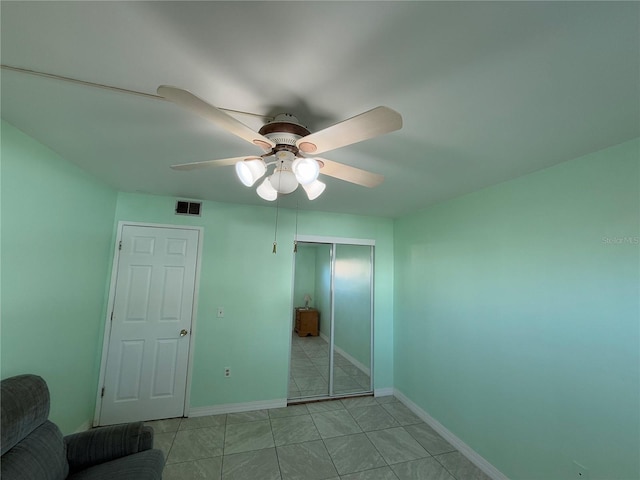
{"x":309,"y":375}
{"x":352,"y":319}
{"x":312,"y":331}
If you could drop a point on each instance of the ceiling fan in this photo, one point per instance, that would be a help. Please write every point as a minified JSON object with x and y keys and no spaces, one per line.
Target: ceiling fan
{"x":290,"y":147}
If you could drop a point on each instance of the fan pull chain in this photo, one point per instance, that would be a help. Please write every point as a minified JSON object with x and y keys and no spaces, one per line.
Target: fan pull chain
{"x":275,"y":235}
{"x":295,"y":239}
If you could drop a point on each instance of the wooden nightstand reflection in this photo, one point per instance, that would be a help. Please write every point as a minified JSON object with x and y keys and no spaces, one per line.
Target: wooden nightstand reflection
{"x":307,"y":320}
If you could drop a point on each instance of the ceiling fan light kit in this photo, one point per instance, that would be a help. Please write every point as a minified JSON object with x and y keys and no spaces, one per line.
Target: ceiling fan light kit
{"x":266,"y":191}
{"x":286,"y":140}
{"x":250,"y":170}
{"x":306,"y":170}
{"x":314,"y":189}
{"x":285,"y":177}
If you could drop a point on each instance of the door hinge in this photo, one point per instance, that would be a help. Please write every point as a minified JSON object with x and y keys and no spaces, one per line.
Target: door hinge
{"x":102,"y":393}
{"x":112,"y":316}
{"x":120,"y":245}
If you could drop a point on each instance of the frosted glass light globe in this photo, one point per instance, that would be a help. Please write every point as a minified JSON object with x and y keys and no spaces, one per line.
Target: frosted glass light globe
{"x":284,"y":181}
{"x":249,"y":171}
{"x":306,"y":170}
{"x":266,"y":191}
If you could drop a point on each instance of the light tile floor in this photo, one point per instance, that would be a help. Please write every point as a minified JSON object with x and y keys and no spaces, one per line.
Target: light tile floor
{"x":310,"y":370}
{"x":361,"y":438}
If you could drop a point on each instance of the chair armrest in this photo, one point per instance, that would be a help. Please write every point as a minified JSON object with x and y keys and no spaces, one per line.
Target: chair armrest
{"x":103,"y":444}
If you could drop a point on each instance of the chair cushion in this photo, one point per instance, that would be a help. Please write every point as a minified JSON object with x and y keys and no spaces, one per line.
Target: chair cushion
{"x":145,"y":465}
{"x":99,"y":445}
{"x":40,"y":456}
{"x":25,"y":406}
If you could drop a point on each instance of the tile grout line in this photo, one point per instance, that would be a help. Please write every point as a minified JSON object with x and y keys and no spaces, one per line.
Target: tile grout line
{"x":342,"y":406}
{"x":409,"y":433}
{"x":175,"y":434}
{"x":275,"y":447}
{"x":224,"y":439}
{"x":372,"y":444}
{"x":430,"y":454}
{"x":444,"y":466}
{"x":366,"y":434}
{"x":324,"y":444}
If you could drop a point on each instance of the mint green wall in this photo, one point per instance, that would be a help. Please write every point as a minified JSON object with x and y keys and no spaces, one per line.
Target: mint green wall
{"x":323,"y":287}
{"x":352,"y":298}
{"x":517,"y":318}
{"x":57,"y":226}
{"x":240,"y":273}
{"x":305,"y":275}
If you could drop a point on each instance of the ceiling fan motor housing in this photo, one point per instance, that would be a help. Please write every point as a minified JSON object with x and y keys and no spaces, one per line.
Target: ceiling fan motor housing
{"x":284,"y":130}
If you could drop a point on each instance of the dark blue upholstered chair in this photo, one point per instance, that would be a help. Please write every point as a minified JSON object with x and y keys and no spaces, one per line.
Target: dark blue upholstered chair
{"x":33,"y":448}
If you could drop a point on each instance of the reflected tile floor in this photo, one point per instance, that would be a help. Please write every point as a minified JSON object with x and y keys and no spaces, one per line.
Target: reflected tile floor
{"x":362,"y":438}
{"x":310,"y":370}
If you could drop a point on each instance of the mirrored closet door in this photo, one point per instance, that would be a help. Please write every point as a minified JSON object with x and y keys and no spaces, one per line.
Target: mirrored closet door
{"x":352,"y":314}
{"x":331,"y":346}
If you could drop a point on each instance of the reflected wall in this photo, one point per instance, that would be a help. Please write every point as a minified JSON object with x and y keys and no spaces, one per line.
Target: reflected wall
{"x":333,"y":282}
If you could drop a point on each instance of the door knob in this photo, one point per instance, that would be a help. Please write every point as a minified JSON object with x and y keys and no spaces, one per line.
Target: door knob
{"x":183,"y":332}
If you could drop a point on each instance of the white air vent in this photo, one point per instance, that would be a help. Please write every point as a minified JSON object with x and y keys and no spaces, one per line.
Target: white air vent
{"x":188,"y":208}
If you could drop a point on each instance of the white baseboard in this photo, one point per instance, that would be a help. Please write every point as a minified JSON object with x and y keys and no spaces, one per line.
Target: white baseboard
{"x":363,"y":368}
{"x":383,"y":392}
{"x":473,"y":456}
{"x":237,"y":407}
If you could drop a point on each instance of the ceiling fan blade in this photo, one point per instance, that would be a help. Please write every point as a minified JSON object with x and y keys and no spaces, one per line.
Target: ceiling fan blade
{"x":212,"y":163}
{"x":367,"y":125}
{"x":349,"y":174}
{"x":189,"y":101}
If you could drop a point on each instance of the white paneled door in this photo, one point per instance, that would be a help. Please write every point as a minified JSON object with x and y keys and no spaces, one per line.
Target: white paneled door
{"x":148,"y":350}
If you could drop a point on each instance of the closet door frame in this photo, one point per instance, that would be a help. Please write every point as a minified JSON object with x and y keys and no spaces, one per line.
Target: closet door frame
{"x":334,"y":241}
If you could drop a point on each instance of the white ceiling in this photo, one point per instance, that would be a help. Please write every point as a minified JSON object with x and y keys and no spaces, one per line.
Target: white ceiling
{"x":488,"y":91}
